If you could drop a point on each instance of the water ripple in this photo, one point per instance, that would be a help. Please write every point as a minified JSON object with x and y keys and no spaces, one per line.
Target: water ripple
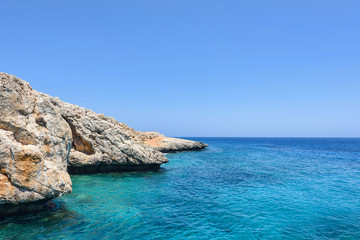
{"x":237,"y":189}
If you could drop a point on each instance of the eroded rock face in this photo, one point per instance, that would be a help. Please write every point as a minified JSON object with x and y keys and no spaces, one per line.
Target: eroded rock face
{"x":162,"y":143}
{"x":168,"y":145}
{"x":35,"y":143}
{"x":96,"y":141}
{"x":43,"y":138}
{"x":100,"y":141}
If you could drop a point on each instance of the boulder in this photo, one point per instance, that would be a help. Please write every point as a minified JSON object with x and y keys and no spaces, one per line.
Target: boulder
{"x":35,"y":143}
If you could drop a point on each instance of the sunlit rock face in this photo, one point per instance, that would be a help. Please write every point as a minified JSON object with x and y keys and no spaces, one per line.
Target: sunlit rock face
{"x":41,"y":136}
{"x":42,"y":139}
{"x":101,"y":144}
{"x":162,"y":143}
{"x":35,"y":143}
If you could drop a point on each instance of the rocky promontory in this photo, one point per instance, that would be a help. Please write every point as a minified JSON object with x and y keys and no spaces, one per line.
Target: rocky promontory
{"x":43,"y":139}
{"x":165,"y":144}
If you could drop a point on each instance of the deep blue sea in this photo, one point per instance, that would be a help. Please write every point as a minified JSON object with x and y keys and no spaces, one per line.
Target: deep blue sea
{"x":239,"y":188}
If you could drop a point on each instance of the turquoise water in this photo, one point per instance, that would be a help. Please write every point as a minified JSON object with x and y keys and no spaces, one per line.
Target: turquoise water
{"x":239,"y":188}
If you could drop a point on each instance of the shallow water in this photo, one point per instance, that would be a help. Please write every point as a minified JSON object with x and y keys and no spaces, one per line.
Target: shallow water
{"x":239,"y":188}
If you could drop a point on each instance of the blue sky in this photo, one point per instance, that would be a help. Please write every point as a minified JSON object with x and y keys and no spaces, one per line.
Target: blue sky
{"x":195,"y":68}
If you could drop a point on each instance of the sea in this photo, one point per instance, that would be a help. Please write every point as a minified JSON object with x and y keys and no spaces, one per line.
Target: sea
{"x":238,"y":188}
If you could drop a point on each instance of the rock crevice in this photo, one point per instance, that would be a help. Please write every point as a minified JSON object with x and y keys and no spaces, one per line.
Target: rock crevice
{"x":79,"y":143}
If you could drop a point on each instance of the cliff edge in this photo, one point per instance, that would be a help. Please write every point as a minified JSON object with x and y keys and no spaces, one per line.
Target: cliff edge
{"x":43,"y":139}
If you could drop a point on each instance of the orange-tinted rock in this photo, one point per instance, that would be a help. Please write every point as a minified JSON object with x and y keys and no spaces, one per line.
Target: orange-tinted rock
{"x":34,"y":145}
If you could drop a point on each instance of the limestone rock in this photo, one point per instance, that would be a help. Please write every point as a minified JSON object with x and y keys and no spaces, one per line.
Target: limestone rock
{"x":167,"y":144}
{"x":35,"y":142}
{"x":43,"y":138}
{"x":100,"y":141}
{"x":163,"y":144}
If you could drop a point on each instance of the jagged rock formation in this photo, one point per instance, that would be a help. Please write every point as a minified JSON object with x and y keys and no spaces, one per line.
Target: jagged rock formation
{"x":101,"y":144}
{"x":169,"y":145}
{"x":35,"y":142}
{"x":164,"y":144}
{"x":43,"y":138}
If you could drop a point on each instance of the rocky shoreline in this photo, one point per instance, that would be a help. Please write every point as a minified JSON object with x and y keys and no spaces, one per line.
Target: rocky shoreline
{"x":43,"y":140}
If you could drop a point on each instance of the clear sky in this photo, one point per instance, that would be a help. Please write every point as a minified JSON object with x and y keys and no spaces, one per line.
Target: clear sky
{"x":195,"y":68}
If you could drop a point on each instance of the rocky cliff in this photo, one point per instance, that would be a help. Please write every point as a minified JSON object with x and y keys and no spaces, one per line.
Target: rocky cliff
{"x":43,"y":138}
{"x":35,"y":143}
{"x":101,"y":144}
